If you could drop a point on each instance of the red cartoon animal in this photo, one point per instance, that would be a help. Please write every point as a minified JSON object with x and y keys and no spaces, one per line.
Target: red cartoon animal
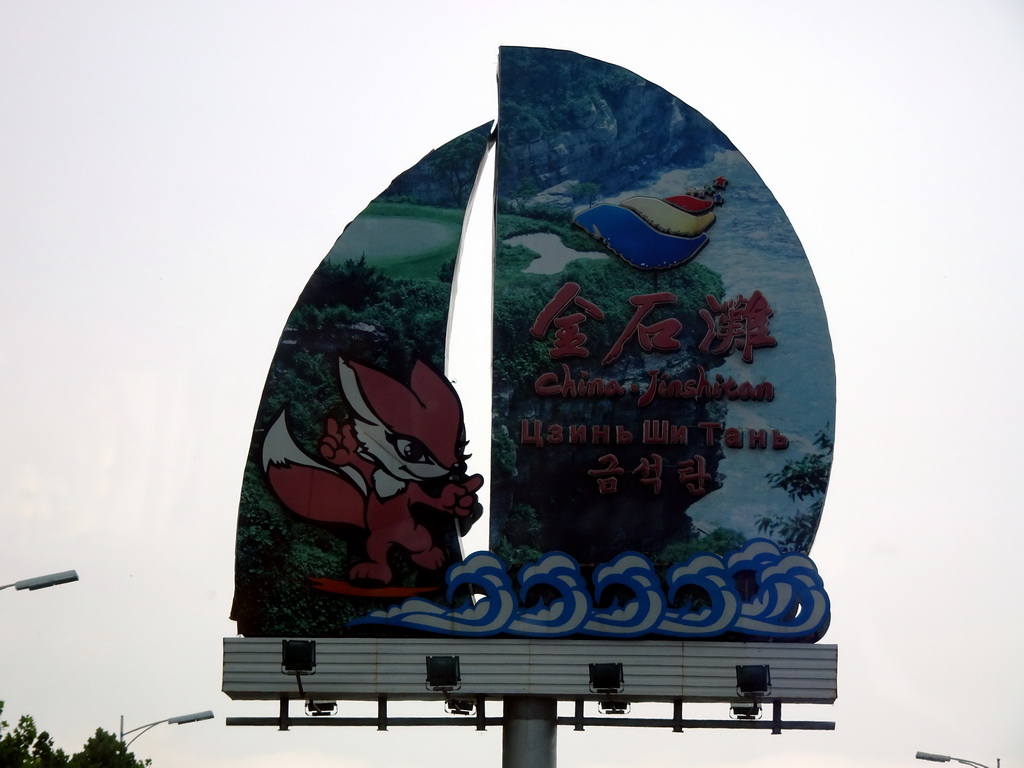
{"x":372,"y":468}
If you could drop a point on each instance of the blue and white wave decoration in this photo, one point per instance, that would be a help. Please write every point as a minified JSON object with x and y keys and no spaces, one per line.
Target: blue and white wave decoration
{"x":790,"y":602}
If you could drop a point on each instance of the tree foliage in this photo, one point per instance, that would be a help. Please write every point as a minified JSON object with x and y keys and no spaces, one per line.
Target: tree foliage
{"x":804,"y":478}
{"x":457,"y":163}
{"x":584,"y":193}
{"x":105,"y":750}
{"x":24,"y":746}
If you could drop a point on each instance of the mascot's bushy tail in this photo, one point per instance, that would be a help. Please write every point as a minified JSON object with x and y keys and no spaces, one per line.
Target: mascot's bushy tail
{"x":308,"y":487}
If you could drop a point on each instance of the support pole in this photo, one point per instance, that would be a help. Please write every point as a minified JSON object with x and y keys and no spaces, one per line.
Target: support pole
{"x":481,"y":714}
{"x":283,"y":719}
{"x":528,"y":737}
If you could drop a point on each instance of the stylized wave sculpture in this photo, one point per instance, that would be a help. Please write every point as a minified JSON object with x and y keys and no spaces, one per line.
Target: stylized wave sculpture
{"x":790,"y":601}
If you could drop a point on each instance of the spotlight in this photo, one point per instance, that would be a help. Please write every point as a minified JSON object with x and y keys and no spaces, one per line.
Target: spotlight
{"x":321,"y":708}
{"x":613,"y":707}
{"x":460,"y":706}
{"x":606,"y":677}
{"x":745,"y":711}
{"x":443,"y":673}
{"x":753,"y":680}
{"x":298,"y":657}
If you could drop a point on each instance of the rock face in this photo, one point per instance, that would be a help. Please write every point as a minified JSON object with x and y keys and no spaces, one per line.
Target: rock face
{"x":445,"y":176}
{"x":609,"y":132}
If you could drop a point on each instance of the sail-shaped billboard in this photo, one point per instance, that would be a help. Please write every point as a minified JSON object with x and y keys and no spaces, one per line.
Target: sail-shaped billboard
{"x":663,"y":393}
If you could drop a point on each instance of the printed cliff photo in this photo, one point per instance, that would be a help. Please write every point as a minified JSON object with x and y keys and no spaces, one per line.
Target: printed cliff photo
{"x":663,"y":375}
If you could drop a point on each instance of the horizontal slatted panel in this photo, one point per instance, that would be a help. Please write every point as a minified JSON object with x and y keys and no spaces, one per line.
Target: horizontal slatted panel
{"x":357,"y":668}
{"x":799,"y":672}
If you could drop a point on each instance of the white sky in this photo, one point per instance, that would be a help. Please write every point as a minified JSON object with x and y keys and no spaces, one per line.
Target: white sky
{"x":171,"y":174}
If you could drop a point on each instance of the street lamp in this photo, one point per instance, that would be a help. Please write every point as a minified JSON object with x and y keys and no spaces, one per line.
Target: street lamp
{"x":946,"y":758}
{"x":39,"y":582}
{"x":179,"y":720}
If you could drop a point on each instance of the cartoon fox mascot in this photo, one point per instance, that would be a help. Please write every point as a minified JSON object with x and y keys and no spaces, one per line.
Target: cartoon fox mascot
{"x":372,"y":468}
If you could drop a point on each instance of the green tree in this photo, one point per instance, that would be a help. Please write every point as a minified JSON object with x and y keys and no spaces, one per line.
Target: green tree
{"x":25,"y":746}
{"x":105,"y":750}
{"x":802,"y":479}
{"x":584,"y":192}
{"x":526,"y":190}
{"x":457,"y":163}
{"x":45,"y":755}
{"x":718,"y":541}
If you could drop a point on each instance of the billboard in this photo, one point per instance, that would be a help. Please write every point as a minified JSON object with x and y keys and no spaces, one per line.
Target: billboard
{"x":356,"y":489}
{"x":663,"y":394}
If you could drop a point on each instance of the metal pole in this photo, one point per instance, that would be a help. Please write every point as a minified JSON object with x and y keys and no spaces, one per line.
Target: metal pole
{"x":528,"y":734}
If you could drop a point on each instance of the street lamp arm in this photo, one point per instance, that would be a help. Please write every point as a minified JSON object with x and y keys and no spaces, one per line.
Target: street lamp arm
{"x":177,"y":720}
{"x":142,"y":728}
{"x":946,"y":758}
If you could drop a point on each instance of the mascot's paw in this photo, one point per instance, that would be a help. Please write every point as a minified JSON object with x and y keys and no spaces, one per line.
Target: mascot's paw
{"x":431,"y":559}
{"x":460,"y":499}
{"x":339,"y":444}
{"x":370,"y":571}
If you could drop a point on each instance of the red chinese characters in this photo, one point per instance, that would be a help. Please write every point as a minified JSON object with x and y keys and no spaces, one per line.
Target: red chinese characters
{"x":739,"y":323}
{"x":660,"y":336}
{"x":570,"y":340}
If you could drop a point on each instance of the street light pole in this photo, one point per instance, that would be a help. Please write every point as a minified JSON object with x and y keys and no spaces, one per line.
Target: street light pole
{"x":178,"y":720}
{"x":40,"y":582}
{"x":946,"y":758}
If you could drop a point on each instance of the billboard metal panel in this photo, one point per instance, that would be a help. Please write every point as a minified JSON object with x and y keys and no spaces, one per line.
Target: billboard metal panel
{"x":653,"y":670}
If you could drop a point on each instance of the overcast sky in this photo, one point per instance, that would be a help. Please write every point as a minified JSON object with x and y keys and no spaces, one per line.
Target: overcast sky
{"x":171,"y":174}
